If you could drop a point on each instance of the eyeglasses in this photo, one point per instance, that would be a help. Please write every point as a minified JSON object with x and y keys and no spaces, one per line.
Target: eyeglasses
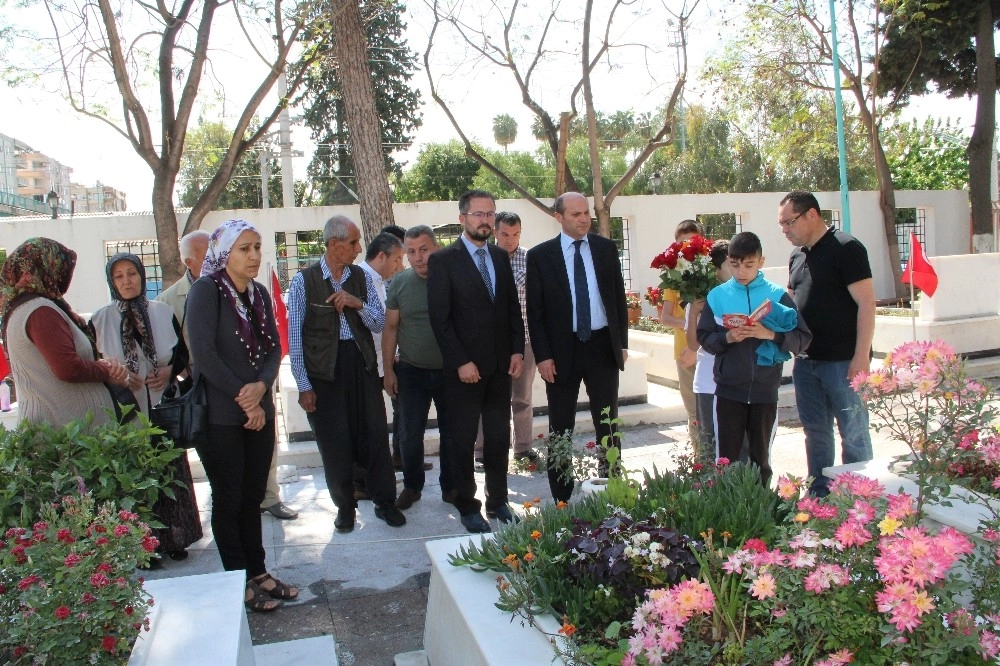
{"x":480,"y":215}
{"x":787,"y":223}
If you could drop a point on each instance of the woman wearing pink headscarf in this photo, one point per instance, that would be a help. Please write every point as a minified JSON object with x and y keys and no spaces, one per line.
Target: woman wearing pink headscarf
{"x":234,"y":347}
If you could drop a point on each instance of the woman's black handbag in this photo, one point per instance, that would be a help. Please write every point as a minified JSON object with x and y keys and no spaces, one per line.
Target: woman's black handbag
{"x":122,"y":396}
{"x":184,"y":418}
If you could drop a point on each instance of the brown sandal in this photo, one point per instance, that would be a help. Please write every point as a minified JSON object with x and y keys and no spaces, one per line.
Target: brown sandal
{"x":280,"y":590}
{"x":259,"y":601}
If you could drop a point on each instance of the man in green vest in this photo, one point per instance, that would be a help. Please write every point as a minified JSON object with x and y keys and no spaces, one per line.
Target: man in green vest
{"x":333,"y":310}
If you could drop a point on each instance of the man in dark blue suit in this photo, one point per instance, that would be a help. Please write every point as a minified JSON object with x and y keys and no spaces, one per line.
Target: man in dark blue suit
{"x":476,"y":318}
{"x":578,"y":323}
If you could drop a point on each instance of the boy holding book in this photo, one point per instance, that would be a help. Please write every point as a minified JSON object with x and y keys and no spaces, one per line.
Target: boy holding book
{"x":752,"y":327}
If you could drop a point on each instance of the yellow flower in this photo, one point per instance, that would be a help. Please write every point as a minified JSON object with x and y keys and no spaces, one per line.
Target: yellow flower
{"x":888,"y":526}
{"x":801,"y":517}
{"x":536,"y":535}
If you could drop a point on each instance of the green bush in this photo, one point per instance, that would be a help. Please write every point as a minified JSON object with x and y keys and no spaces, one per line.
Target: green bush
{"x":40,"y":464}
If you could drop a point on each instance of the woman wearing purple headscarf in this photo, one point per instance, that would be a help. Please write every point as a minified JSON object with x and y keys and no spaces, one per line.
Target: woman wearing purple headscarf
{"x":234,"y":346}
{"x":145,"y":336}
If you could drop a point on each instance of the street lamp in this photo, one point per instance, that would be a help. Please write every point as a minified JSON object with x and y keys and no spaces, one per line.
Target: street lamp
{"x":52,"y":199}
{"x":656,"y":180}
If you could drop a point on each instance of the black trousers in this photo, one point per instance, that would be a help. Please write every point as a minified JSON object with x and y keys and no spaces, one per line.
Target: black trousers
{"x":488,"y":398}
{"x":350,"y":427}
{"x":237,"y":462}
{"x":734,"y":420}
{"x":594,"y":365}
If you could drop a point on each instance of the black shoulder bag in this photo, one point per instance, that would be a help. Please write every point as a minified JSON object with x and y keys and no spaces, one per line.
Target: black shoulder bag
{"x":184,"y":417}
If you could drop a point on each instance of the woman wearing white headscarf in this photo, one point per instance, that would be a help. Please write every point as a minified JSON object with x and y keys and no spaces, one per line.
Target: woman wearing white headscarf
{"x":234,"y":346}
{"x":146,"y":337}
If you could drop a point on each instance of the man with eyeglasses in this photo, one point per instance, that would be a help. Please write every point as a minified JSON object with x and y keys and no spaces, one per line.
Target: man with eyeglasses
{"x":830,"y":279}
{"x":476,"y":318}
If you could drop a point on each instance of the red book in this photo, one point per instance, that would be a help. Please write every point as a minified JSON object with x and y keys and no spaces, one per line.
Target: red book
{"x":739,"y":320}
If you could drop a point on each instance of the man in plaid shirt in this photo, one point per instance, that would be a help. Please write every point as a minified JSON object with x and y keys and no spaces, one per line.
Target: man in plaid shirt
{"x":507,"y":229}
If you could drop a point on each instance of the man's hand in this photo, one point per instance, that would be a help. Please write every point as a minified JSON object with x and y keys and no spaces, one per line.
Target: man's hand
{"x":468,"y":373}
{"x":389,"y":382}
{"x":858,"y":365}
{"x":516,"y":365}
{"x":688,"y":358}
{"x":547,"y":369}
{"x":624,"y":356}
{"x":307,"y":401}
{"x":340,"y":299}
{"x":251,"y":395}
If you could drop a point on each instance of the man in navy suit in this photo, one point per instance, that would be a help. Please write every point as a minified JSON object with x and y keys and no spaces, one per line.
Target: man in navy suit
{"x":578,"y":323}
{"x":476,"y":318}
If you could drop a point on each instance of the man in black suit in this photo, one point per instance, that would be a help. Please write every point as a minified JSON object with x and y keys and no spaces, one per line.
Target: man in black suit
{"x":578,"y":323}
{"x":476,"y":318}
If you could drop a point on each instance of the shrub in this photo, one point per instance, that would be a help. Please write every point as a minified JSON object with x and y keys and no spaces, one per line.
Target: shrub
{"x":40,"y":464}
{"x":67,"y":588}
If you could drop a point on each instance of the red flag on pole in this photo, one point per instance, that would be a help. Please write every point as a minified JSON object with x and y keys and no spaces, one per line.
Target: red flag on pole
{"x":4,"y":365}
{"x":280,"y":312}
{"x":918,"y":270}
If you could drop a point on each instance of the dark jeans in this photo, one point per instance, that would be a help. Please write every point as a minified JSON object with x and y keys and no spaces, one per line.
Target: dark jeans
{"x":489,"y":399}
{"x":349,"y":423}
{"x":594,"y":365}
{"x":417,"y":388}
{"x":824,"y":394}
{"x":237,"y":462}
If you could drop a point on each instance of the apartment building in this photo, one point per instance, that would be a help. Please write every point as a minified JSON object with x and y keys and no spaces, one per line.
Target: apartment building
{"x":38,"y":174}
{"x":100,"y":198}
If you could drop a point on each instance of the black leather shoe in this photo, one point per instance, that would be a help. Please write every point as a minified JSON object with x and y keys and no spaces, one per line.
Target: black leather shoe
{"x":406,"y":498}
{"x":392,"y":516}
{"x":281,"y":511}
{"x":529,"y":455}
{"x":475,"y":523}
{"x":345,"y":520}
{"x":503,"y":514}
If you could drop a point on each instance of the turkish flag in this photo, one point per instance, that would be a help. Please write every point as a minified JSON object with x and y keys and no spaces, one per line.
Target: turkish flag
{"x":918,"y":270}
{"x":280,"y":312}
{"x":4,"y":365}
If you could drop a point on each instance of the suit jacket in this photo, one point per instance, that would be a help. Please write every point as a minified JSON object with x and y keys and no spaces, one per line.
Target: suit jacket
{"x":550,"y":301}
{"x":469,"y":327}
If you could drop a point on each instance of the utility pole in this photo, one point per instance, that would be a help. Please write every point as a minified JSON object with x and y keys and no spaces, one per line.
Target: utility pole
{"x":285,"y":143}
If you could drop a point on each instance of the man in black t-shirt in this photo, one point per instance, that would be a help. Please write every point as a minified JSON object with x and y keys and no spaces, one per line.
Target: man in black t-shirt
{"x":831,"y":283}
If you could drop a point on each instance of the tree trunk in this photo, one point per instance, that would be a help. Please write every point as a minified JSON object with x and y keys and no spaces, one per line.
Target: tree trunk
{"x":600,"y":206}
{"x":980,"y":150}
{"x":165,"y":220}
{"x":351,"y":51}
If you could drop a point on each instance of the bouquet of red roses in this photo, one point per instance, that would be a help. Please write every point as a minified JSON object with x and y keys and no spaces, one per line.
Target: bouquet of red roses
{"x":687,"y":268}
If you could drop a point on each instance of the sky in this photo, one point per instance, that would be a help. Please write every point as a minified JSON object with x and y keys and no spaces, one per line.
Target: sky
{"x":641,"y":75}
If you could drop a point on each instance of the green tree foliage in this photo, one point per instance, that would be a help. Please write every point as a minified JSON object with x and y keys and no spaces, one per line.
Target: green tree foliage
{"x":392,"y":65}
{"x":504,"y":130}
{"x":205,"y":146}
{"x":927,"y":156}
{"x":441,"y":172}
{"x":526,"y":168}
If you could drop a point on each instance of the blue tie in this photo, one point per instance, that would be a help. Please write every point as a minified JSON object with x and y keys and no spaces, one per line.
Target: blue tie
{"x":481,"y":253}
{"x":582,"y":295}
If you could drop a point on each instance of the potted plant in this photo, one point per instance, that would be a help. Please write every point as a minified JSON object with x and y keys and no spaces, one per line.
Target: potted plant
{"x":634,"y":306}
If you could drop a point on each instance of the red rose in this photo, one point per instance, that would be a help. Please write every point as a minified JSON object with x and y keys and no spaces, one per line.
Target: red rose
{"x":129,"y":610}
{"x":670,"y":260}
{"x":108,"y":643}
{"x":698,"y":467}
{"x":689,"y":253}
{"x":62,"y":612}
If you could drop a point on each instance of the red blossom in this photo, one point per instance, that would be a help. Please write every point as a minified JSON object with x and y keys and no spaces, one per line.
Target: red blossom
{"x":101,"y":541}
{"x":28,"y":582}
{"x":62,"y":612}
{"x":20,"y":651}
{"x":149,"y":544}
{"x":129,"y":610}
{"x":64,"y":536}
{"x":101,"y":529}
{"x":40,"y":526}
{"x":99,"y":580}
{"x":755,"y":545}
{"x":591,"y":445}
{"x":108,"y":643}
{"x":72,"y":560}
{"x":128,"y":515}
{"x":121,"y":530}
{"x":14,"y":531}
{"x":87,"y":599}
{"x":103,"y":567}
